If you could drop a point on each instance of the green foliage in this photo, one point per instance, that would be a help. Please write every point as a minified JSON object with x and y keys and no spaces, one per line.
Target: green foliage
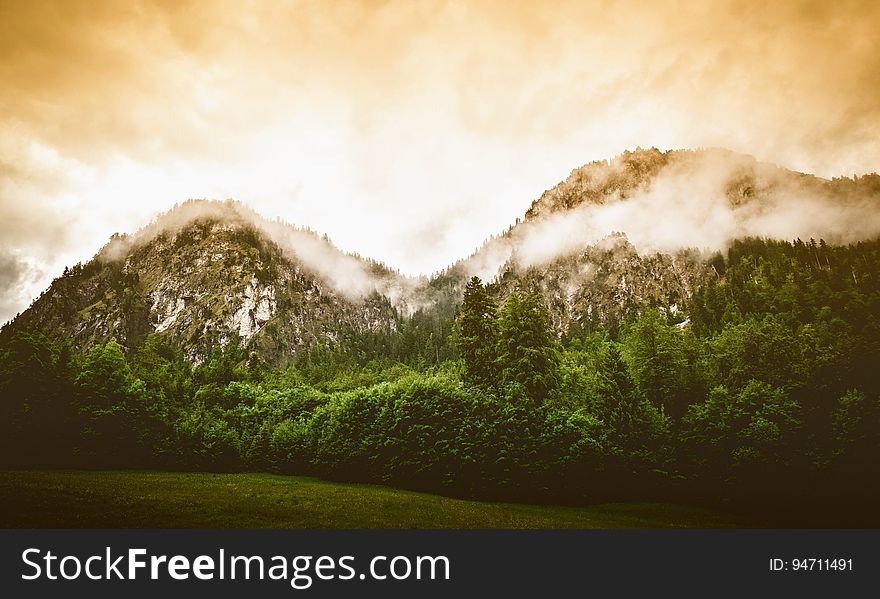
{"x":797,"y":281}
{"x":855,"y":426}
{"x":637,"y":427}
{"x":204,"y":438}
{"x":772,"y":383}
{"x":121,"y":420}
{"x":755,"y":429}
{"x":477,"y":334}
{"x":658,"y":355}
{"x":765,"y":351}
{"x":527,"y":352}
{"x":39,"y":420}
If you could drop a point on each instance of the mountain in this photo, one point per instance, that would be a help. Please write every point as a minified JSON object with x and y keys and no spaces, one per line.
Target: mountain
{"x":737,"y":180}
{"x":206,"y":273}
{"x":678,"y":209}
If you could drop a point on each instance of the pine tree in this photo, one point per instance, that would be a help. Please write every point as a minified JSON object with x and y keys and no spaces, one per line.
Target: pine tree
{"x":527,"y":351}
{"x":633,"y":422}
{"x":656,"y":355}
{"x":615,"y":385}
{"x":477,"y":334}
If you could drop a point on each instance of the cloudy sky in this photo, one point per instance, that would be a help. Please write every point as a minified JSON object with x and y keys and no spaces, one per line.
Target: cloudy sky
{"x":406,"y":130}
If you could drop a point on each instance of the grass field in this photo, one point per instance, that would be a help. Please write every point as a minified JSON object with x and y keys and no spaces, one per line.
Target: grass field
{"x":138,"y":499}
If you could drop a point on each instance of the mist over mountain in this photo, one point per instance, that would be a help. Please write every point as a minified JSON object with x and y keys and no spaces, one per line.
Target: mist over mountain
{"x":637,"y":231}
{"x":614,"y":238}
{"x":668,"y":201}
{"x":207,"y":272}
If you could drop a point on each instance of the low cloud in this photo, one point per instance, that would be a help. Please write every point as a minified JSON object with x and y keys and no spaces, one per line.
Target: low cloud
{"x":350,"y":275}
{"x":18,"y":284}
{"x":407,"y":131}
{"x":701,"y":200}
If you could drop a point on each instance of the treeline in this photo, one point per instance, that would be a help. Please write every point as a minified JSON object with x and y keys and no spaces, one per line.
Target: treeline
{"x":769,"y":394}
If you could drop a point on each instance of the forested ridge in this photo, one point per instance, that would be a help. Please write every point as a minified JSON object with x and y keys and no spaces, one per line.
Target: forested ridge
{"x":763,"y":387}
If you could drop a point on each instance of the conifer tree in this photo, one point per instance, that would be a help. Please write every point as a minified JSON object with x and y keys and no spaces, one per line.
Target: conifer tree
{"x":477,"y":334}
{"x":527,"y":351}
{"x":656,"y":355}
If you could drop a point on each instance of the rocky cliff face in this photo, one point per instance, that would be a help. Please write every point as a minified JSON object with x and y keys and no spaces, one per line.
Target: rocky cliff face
{"x":208,"y":272}
{"x":201,"y":284}
{"x":677,"y":208}
{"x":607,"y":282}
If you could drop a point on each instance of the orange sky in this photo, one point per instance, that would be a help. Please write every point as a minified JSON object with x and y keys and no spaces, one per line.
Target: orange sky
{"x":406,"y":130}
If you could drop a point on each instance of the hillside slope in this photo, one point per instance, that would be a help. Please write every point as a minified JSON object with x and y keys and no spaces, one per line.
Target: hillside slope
{"x":208,"y":273}
{"x":638,"y":231}
{"x":616,"y":237}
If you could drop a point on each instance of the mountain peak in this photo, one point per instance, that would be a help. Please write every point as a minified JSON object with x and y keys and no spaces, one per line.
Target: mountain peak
{"x":603,"y":181}
{"x":206,"y":272}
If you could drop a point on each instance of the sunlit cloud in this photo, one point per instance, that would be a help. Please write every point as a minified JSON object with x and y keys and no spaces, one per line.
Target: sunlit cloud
{"x":407,"y":131}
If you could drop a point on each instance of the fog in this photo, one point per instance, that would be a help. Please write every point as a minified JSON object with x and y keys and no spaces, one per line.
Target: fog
{"x":350,"y":275}
{"x":661,"y":202}
{"x":700,"y":200}
{"x":407,"y":131}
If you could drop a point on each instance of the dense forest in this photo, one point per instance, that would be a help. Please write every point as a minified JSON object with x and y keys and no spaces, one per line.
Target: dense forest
{"x":764,"y":386}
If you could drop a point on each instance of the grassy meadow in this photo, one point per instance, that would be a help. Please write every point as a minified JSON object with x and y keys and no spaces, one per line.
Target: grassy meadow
{"x":142,"y":499}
